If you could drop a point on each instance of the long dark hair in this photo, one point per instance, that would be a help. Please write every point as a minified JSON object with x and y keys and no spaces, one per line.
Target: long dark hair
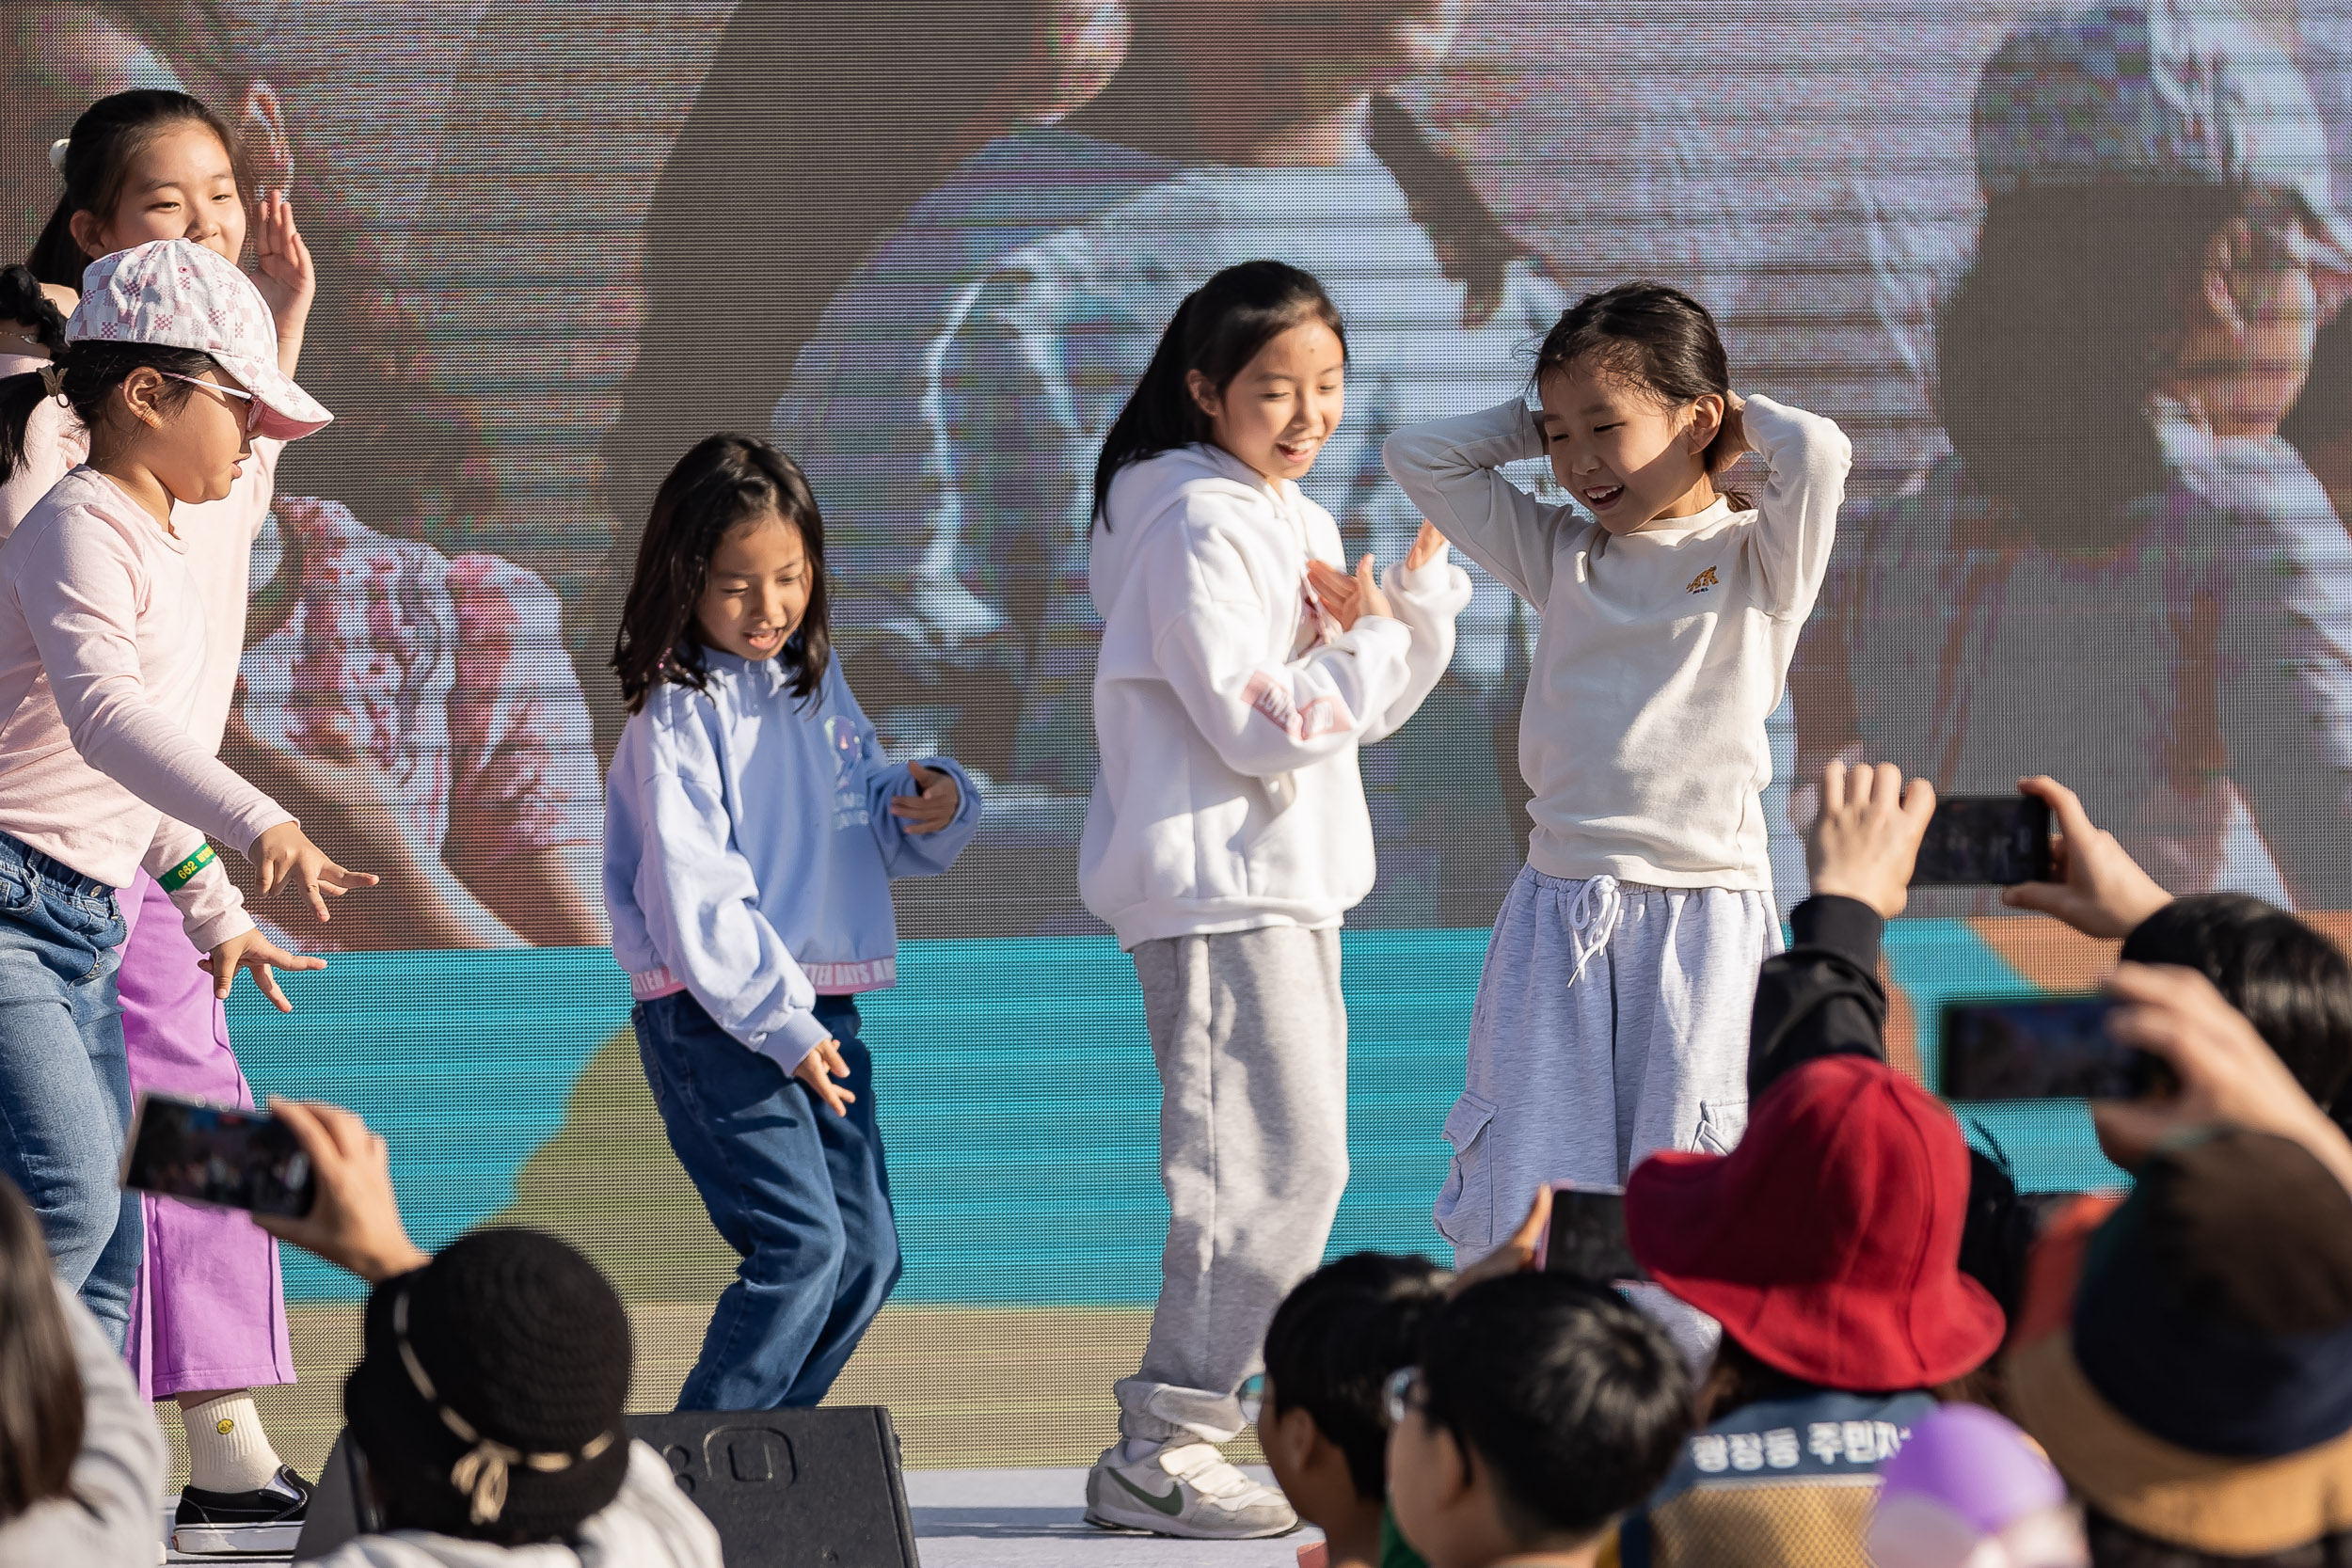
{"x":89,"y":371}
{"x":1656,"y":336}
{"x":1217,"y":330}
{"x":109,"y":134}
{"x":2049,"y":349}
{"x":40,"y":1391}
{"x":724,"y":482}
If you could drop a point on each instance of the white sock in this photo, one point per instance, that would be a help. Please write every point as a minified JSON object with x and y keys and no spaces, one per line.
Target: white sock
{"x":228,"y":1450}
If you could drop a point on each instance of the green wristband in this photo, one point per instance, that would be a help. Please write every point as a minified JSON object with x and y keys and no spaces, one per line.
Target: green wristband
{"x":181,"y":875}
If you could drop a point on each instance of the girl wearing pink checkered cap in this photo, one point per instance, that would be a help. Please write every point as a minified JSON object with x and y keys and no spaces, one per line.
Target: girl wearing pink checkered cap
{"x":169,"y":364}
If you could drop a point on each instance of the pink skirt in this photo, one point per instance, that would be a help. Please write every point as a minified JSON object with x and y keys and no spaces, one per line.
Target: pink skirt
{"x":209,"y":1310}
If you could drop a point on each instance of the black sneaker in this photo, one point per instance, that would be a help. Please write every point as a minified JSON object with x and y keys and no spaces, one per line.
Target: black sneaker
{"x":263,"y":1522}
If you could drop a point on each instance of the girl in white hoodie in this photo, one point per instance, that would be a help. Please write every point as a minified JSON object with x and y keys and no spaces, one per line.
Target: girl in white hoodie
{"x":1241,"y":668}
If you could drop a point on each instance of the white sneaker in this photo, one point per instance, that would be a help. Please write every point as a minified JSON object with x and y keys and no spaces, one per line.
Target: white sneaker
{"x":1184,"y":1489}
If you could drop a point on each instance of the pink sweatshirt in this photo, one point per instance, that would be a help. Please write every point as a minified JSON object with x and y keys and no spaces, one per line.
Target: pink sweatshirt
{"x":102,"y":658}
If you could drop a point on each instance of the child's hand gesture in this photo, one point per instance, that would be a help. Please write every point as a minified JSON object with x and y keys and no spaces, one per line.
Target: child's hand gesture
{"x":1348,"y":599}
{"x":1733,"y":444}
{"x":932,"y":806}
{"x":259,"y":954}
{"x":1428,"y":545}
{"x":285,"y":855}
{"x":819,"y":1069}
{"x":287,"y":282}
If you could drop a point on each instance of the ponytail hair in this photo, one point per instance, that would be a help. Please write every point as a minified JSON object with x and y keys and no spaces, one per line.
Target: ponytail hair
{"x":1217,"y":330}
{"x":83,"y":373}
{"x":109,"y":134}
{"x":722,"y":482}
{"x":1657,"y":338}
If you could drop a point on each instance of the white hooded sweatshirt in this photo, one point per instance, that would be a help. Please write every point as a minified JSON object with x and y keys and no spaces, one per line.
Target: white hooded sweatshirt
{"x":1228,"y":709}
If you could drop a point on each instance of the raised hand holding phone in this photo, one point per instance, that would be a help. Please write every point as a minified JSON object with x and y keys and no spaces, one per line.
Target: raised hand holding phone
{"x":1865,"y":839}
{"x":2095,"y":887}
{"x":819,"y":1069}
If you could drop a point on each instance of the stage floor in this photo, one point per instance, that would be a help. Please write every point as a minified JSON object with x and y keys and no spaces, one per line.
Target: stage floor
{"x":1029,"y":1518}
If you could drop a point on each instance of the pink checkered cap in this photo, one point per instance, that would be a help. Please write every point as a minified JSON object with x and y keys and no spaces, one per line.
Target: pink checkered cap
{"x":176,"y":294}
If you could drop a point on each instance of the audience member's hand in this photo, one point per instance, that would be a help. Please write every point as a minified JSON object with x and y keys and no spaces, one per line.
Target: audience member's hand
{"x":933,"y":804}
{"x":1865,"y":839}
{"x":2099,"y":891}
{"x":819,"y":1069}
{"x":354,"y":1220}
{"x":1517,"y":1255}
{"x":2227,"y":1075}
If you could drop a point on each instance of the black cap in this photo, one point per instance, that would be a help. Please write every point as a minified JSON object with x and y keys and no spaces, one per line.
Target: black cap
{"x":519,"y":1361}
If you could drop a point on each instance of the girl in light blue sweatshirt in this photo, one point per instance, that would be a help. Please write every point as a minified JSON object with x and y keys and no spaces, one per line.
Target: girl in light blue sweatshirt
{"x":751,"y":827}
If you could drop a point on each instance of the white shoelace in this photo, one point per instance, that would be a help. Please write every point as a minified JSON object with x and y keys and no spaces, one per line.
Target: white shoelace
{"x":1593,"y":920}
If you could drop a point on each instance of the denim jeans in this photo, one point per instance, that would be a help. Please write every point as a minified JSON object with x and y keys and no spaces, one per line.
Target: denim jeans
{"x":64,"y":1089}
{"x":799,"y":1192}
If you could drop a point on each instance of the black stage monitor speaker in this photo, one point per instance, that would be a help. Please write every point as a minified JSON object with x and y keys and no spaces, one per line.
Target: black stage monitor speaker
{"x":787,"y":1488}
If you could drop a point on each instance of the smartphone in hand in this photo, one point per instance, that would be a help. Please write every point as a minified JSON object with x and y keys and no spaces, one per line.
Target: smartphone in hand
{"x":217,"y":1155}
{"x":1995,"y":840}
{"x":1587,"y":1237}
{"x":2056,"y":1049}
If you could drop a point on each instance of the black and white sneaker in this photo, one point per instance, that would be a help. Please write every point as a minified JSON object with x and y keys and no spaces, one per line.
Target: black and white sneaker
{"x":233,"y":1523}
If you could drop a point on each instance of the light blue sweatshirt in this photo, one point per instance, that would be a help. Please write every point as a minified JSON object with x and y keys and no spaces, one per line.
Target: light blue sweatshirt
{"x":749,"y":848}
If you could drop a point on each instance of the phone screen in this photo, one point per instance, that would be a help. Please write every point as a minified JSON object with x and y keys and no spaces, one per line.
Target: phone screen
{"x":217,"y":1155}
{"x":2050,"y":1049}
{"x":1587,"y":1239}
{"x":1999,"y":840}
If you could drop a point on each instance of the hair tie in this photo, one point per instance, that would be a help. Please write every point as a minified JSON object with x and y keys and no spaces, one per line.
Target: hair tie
{"x":58,"y":149}
{"x":51,"y":379}
{"x":481,"y":1471}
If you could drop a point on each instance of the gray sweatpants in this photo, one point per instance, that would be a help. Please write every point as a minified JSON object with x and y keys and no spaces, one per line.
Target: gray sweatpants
{"x":1250,"y":1034}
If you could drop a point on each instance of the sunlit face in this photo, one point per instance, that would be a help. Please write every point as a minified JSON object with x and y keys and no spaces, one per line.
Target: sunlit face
{"x":195,"y":449}
{"x":57,"y":60}
{"x":757,"y":589}
{"x":1286,"y":403}
{"x":180,"y":186}
{"x":1628,"y":456}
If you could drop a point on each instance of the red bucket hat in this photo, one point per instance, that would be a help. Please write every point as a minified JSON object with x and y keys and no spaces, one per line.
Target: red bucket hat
{"x":1828,"y":1243}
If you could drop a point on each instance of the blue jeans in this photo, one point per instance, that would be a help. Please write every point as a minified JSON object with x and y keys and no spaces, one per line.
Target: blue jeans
{"x":64,"y":1086}
{"x":799,"y":1192}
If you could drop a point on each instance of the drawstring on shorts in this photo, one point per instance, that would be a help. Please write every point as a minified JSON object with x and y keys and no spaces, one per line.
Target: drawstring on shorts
{"x":1593,"y":915}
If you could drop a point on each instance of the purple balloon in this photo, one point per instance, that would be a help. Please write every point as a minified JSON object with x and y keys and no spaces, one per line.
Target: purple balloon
{"x":1975,"y":1464}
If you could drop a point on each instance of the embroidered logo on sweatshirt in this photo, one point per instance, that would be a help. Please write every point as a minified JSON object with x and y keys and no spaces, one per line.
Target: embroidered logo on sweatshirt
{"x":1273,"y":702}
{"x":1701,"y":583}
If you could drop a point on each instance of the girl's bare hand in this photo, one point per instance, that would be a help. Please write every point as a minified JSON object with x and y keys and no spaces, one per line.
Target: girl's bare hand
{"x":933,"y":804}
{"x":1733,"y":444}
{"x":1428,"y":545}
{"x":287,"y":282}
{"x":819,"y":1069}
{"x":284,"y":855}
{"x":259,"y":954}
{"x":1348,"y":599}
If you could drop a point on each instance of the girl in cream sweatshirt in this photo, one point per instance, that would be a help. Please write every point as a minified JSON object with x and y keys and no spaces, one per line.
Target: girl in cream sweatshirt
{"x":1613,"y":1015}
{"x":1242,"y":666}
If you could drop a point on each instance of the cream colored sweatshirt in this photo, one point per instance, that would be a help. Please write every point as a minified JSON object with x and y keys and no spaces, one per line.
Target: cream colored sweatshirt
{"x":1661,"y":652}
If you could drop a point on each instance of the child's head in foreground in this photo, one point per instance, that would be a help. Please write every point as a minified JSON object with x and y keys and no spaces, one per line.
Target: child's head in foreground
{"x":1329,"y":1352}
{"x":1542,"y":1410}
{"x":1636,"y":390}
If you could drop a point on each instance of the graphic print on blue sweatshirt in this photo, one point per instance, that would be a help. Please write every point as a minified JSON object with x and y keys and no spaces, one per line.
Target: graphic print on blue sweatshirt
{"x":749,"y":848}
